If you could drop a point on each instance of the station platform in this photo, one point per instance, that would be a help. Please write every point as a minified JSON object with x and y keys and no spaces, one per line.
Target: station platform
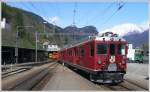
{"x":65,"y":79}
{"x":138,"y":74}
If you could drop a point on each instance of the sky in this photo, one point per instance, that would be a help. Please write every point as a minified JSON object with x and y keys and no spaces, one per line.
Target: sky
{"x":101,"y":15}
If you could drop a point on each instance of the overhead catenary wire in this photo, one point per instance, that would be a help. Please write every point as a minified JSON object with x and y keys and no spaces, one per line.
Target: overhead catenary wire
{"x":102,"y":13}
{"x":24,"y":5}
{"x":118,"y":9}
{"x":84,"y":16}
{"x":38,"y":10}
{"x":35,"y":8}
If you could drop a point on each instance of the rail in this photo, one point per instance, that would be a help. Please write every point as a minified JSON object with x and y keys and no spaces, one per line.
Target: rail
{"x":5,"y":67}
{"x":26,"y":80}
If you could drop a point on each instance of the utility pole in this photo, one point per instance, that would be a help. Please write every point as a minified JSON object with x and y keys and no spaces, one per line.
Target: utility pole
{"x":54,"y":25}
{"x":16,"y":49}
{"x":36,"y":46}
{"x":45,"y":28}
{"x":17,"y":39}
{"x":74,"y":13}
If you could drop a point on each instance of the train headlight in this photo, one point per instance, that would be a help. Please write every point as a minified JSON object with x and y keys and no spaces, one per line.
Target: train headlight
{"x":99,"y":62}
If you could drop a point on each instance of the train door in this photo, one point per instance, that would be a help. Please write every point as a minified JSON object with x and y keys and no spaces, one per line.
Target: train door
{"x":81,"y":55}
{"x":78,"y":55}
{"x":90,"y":55}
{"x":112,"y":66}
{"x":75,"y":55}
{"x":121,"y":56}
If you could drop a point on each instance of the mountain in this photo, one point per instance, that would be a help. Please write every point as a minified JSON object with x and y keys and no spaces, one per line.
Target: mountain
{"x":18,"y":17}
{"x":138,"y":39}
{"x":86,"y":29}
{"x":133,"y":33}
{"x":127,"y":29}
{"x":79,"y":33}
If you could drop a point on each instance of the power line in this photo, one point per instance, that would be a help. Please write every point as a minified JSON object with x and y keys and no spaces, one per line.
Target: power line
{"x":118,"y":9}
{"x":102,"y":13}
{"x":86,"y":16}
{"x":38,"y":10}
{"x":32,"y":5}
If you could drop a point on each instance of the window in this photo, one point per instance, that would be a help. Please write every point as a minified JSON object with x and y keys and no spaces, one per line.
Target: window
{"x":82,"y":51}
{"x":69,"y":52}
{"x":112,"y":49}
{"x":101,"y":48}
{"x":121,"y":49}
{"x":91,"y":50}
{"x":75,"y":51}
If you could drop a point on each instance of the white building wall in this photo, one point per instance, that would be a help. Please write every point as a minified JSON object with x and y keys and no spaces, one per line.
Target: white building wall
{"x":53,"y":48}
{"x":131,"y":52}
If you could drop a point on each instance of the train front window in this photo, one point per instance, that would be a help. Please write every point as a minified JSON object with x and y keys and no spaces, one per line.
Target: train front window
{"x":112,"y":49}
{"x":101,"y":48}
{"x":121,"y":49}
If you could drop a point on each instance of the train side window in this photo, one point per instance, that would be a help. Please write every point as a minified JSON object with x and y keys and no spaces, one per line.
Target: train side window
{"x":68,"y":53}
{"x":101,"y":49}
{"x":71,"y":51}
{"x":82,"y":51}
{"x":76,"y":51}
{"x":91,"y":50}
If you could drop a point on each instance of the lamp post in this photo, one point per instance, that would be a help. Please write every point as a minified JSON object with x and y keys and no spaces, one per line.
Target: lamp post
{"x":17,"y":38}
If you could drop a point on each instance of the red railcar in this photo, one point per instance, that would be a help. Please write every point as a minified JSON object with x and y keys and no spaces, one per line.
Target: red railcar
{"x":104,"y":57}
{"x":53,"y":55}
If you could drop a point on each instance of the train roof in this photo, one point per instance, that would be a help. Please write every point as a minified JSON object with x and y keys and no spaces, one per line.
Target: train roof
{"x":108,"y":36}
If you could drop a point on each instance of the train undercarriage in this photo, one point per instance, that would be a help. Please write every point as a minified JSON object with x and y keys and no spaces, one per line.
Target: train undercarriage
{"x":107,"y":77}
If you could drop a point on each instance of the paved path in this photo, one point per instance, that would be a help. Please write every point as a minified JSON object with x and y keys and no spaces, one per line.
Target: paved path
{"x":138,"y":69}
{"x":136,"y":73}
{"x":65,"y":79}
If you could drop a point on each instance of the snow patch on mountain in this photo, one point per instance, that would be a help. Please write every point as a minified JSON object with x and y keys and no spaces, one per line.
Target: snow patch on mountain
{"x":126,"y":29}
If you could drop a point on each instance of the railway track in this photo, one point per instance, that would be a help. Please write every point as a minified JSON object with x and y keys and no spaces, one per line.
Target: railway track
{"x":117,"y":88}
{"x":132,"y":86}
{"x":45,"y":79}
{"x":10,"y":70}
{"x":124,"y":86}
{"x":25,"y":80}
{"x":13,"y":72}
{"x":31,"y":64}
